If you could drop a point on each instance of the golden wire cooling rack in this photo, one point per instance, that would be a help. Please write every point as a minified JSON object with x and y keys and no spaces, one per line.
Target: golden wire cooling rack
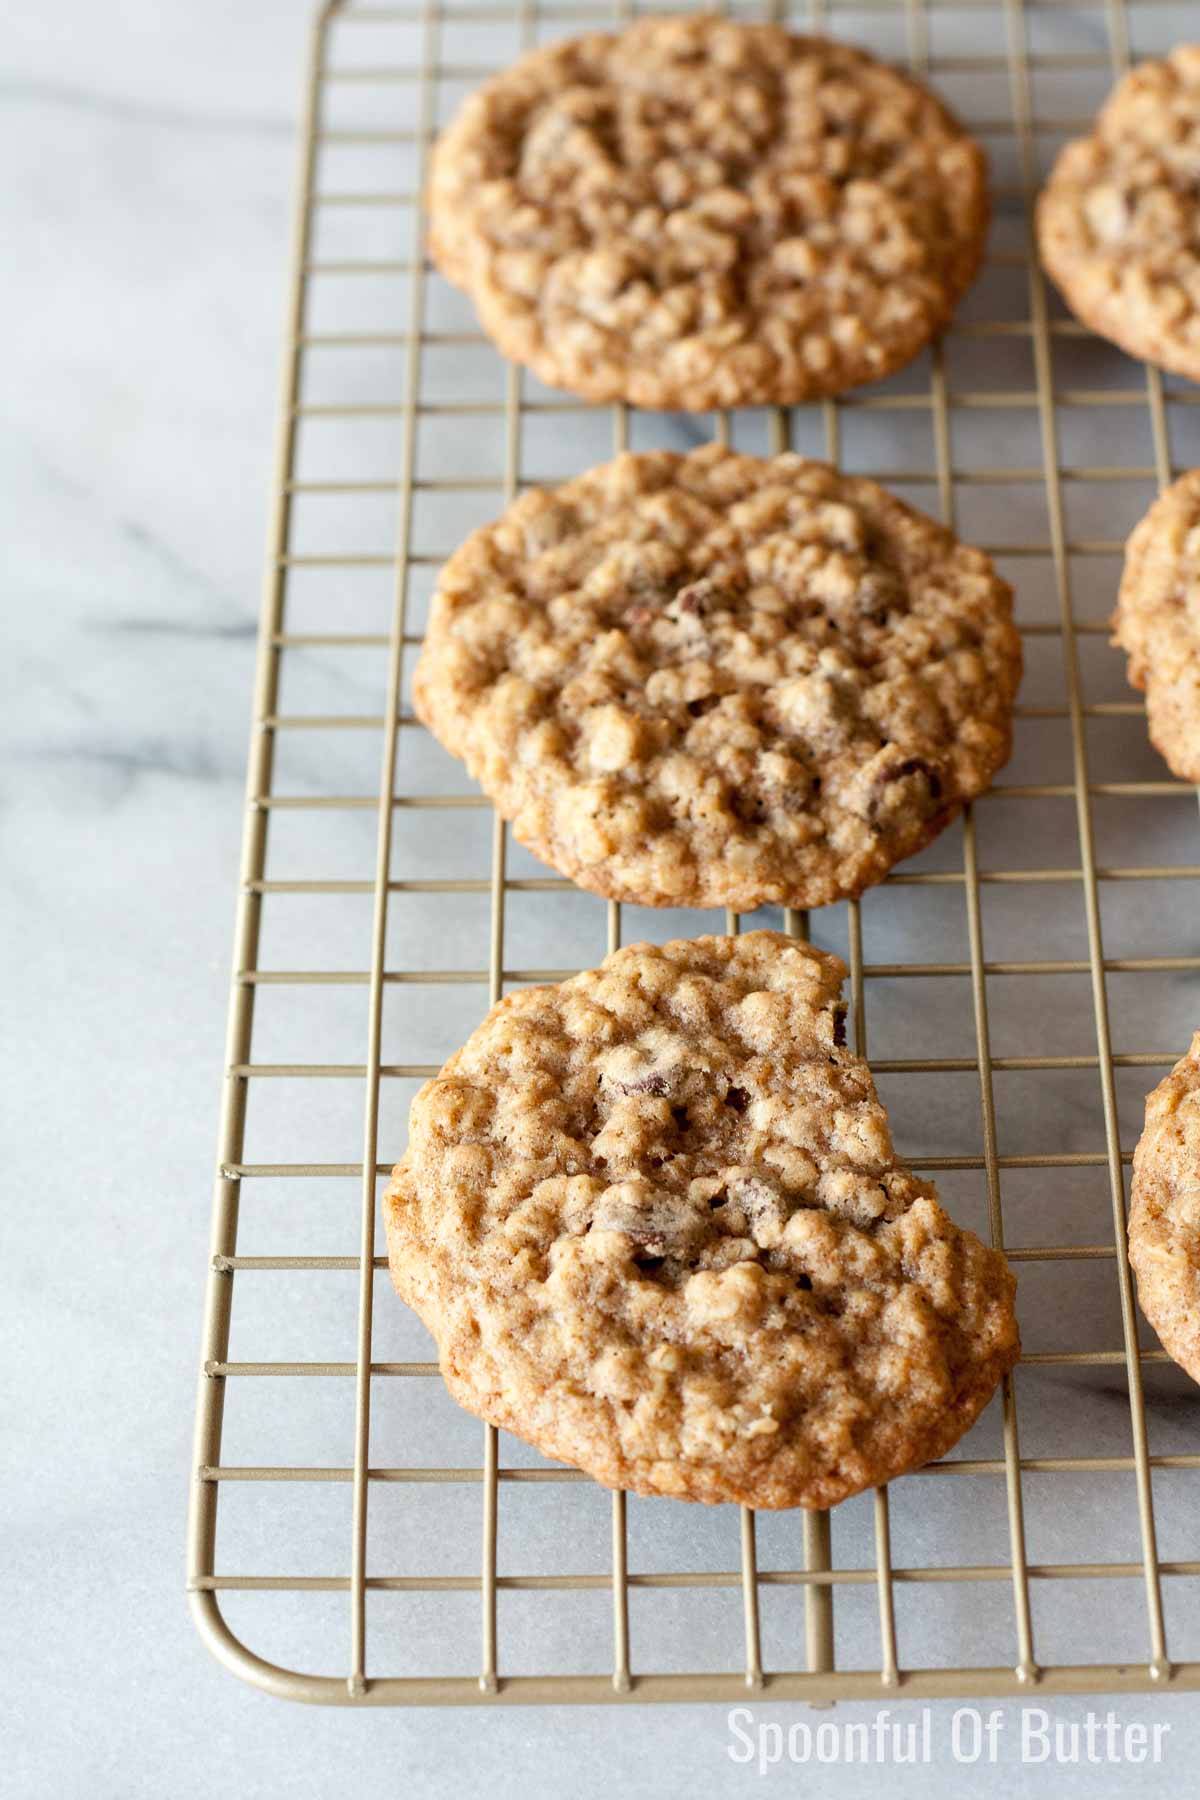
{"x":346,"y":1518}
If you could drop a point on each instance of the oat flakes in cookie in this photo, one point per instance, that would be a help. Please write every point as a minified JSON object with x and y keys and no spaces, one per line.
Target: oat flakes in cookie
{"x":697,"y":212}
{"x":715,"y":680}
{"x":1118,"y":223}
{"x":655,"y":1222}
{"x":1164,"y":1217}
{"x":1157,"y":622}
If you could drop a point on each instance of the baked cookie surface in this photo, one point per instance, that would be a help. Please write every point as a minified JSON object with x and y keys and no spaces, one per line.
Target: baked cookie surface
{"x":1117,"y":223}
{"x":696,"y":212}
{"x":1164,"y":1216}
{"x":1157,"y":622}
{"x":715,"y":680}
{"x":655,"y":1222}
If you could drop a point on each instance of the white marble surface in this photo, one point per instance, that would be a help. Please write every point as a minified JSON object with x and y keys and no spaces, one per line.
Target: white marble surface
{"x":149,"y":153}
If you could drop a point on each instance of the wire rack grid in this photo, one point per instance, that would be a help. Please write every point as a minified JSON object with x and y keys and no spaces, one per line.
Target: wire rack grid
{"x":426,"y":434}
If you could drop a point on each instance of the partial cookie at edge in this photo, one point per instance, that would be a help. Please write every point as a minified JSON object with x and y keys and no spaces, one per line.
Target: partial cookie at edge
{"x":1157,"y":622}
{"x":1164,"y":1217}
{"x":1118,"y":228}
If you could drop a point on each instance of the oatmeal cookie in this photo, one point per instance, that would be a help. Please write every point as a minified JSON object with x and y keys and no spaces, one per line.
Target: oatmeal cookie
{"x":697,"y":212}
{"x":715,"y":680}
{"x":655,"y":1223}
{"x":1164,"y":1217}
{"x":1117,"y":223}
{"x":1157,"y":622}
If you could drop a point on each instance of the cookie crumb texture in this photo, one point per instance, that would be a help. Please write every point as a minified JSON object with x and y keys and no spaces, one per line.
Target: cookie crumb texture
{"x":715,"y":680}
{"x":699,"y":213}
{"x":1157,"y":622}
{"x":655,"y":1222}
{"x":1118,"y":224}
{"x":1164,"y":1218}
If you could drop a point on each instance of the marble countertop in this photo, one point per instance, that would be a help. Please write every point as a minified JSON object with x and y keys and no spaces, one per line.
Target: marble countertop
{"x":150,"y":150}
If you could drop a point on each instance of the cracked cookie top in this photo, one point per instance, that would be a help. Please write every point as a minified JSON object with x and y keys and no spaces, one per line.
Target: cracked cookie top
{"x":1164,"y":1217}
{"x":1157,"y":622}
{"x":714,"y":680}
{"x":655,"y":1222}
{"x":697,"y":212}
{"x":1117,"y":223}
